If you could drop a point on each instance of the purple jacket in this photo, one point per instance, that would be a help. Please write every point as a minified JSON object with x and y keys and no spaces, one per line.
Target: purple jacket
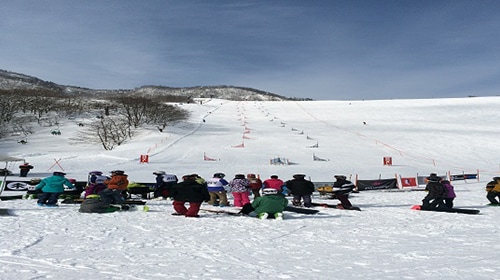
{"x":450,"y":192}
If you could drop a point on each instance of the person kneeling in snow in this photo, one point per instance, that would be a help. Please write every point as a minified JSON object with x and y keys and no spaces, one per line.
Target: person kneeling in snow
{"x":270,"y":204}
{"x":94,"y":204}
{"x":341,"y":188}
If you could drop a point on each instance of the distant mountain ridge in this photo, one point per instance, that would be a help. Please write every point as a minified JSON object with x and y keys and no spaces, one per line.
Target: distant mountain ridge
{"x":11,"y":80}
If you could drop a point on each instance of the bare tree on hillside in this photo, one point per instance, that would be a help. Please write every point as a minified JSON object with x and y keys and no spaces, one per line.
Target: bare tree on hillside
{"x":166,"y":114}
{"x":108,"y":132}
{"x":8,"y":106}
{"x":135,"y":109}
{"x":143,"y":110}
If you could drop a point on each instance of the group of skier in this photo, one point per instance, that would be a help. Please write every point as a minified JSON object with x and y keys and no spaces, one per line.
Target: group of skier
{"x":269,"y":196}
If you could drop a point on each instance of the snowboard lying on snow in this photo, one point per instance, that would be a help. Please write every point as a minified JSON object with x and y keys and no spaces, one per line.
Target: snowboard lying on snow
{"x":232,"y":212}
{"x":80,"y":200}
{"x":336,"y":206}
{"x":448,"y":210}
{"x":5,"y":212}
{"x":301,"y":210}
{"x":247,"y":209}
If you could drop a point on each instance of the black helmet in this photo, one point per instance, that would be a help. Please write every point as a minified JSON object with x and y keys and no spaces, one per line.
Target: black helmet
{"x":219,"y":175}
{"x":189,"y":177}
{"x":118,"y":172}
{"x":433,"y":177}
{"x":58,"y":173}
{"x":297,"y":176}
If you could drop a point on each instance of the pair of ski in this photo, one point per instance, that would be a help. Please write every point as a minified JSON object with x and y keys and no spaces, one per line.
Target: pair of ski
{"x":447,"y":210}
{"x":336,"y":206}
{"x":80,"y":200}
{"x":236,"y":212}
{"x":293,"y":209}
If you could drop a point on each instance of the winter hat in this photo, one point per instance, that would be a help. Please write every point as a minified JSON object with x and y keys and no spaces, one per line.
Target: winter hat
{"x":239,"y":176}
{"x":219,"y":175}
{"x":58,"y":173}
{"x":269,"y":191}
{"x":433,"y":177}
{"x":251,"y":176}
{"x":189,"y":177}
{"x":159,"y":172}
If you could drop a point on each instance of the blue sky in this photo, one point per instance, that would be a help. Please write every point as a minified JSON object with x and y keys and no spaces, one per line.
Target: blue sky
{"x":325,"y":50}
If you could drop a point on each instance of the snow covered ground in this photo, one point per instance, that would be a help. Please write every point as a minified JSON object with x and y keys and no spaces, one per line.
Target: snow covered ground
{"x":386,"y":240}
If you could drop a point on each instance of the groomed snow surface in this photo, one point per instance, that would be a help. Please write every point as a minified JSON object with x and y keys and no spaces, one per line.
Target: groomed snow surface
{"x":386,"y":240}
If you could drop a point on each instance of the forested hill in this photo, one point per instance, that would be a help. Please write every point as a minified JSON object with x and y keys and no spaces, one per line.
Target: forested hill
{"x":10,"y":80}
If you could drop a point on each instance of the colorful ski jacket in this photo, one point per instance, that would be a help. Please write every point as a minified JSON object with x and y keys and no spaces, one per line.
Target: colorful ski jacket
{"x":342,"y":186}
{"x":274,"y":184}
{"x":216,"y":184}
{"x":239,"y":185}
{"x":493,"y":186}
{"x":54,"y":184}
{"x":117,"y":182}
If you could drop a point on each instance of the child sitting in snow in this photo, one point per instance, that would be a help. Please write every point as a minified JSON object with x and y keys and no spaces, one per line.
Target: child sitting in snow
{"x":449,"y":193}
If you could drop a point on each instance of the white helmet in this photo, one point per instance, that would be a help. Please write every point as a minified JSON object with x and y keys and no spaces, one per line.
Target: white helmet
{"x":269,"y":191}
